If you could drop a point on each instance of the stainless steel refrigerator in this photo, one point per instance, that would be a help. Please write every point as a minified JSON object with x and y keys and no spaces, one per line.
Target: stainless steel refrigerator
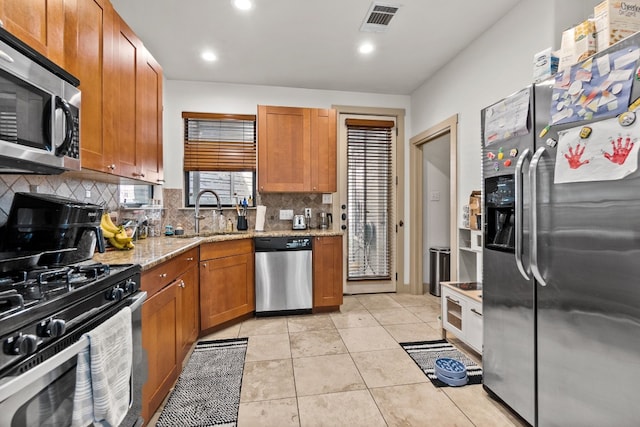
{"x":561,"y":256}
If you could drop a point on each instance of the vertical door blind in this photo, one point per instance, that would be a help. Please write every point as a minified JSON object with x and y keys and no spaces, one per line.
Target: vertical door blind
{"x":219,"y":142}
{"x":369,"y":195}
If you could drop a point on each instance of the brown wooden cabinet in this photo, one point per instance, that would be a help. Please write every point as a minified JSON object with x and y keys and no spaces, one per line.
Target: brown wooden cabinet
{"x":39,"y":24}
{"x":123,"y":83}
{"x":149,"y":113}
{"x":133,"y":109}
{"x":323,"y":150}
{"x":327,"y":271}
{"x":296,"y":149}
{"x":169,"y":324}
{"x":226,"y":281}
{"x":89,"y":56}
{"x":159,"y":338}
{"x":189,"y":319}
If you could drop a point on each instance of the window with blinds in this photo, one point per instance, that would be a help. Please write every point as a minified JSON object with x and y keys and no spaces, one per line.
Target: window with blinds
{"x":369,"y":195}
{"x":219,"y":154}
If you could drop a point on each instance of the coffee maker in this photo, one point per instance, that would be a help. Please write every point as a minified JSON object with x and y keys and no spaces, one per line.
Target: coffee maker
{"x":46,"y":222}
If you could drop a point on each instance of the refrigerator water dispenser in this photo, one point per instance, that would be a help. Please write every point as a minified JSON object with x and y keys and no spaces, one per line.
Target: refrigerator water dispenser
{"x":500,"y":215}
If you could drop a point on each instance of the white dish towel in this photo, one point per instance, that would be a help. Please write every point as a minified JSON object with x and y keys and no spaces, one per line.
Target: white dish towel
{"x":103,"y":372}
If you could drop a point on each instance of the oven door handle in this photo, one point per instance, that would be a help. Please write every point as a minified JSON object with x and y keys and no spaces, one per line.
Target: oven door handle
{"x":11,"y":384}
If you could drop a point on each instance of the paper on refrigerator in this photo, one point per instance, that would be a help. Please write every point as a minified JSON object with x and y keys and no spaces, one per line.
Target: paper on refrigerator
{"x":507,"y":118}
{"x":609,"y":153}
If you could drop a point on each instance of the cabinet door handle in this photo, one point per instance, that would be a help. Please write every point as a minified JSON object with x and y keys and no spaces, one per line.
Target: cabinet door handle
{"x":163,"y":275}
{"x":453,"y":301}
{"x":181,"y":284}
{"x":204,"y":264}
{"x":473,"y":310}
{"x":190,"y":258}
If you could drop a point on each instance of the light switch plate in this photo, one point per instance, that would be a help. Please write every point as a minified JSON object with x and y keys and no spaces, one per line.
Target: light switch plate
{"x":286,"y":214}
{"x":327,"y":198}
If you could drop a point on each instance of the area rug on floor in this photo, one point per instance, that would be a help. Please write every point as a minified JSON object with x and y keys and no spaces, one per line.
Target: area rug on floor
{"x":425,"y":353}
{"x":208,"y":390}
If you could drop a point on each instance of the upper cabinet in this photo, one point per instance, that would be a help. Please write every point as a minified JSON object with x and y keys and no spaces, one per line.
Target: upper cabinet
{"x":296,"y":149}
{"x":149,"y":112}
{"x":88,"y":37}
{"x":38,"y":23}
{"x":121,"y":83}
{"x":124,"y":85}
{"x":323,"y":150}
{"x":134,"y":79}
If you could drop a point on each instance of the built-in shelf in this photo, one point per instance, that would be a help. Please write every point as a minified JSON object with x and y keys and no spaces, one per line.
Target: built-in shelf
{"x":469,"y":255}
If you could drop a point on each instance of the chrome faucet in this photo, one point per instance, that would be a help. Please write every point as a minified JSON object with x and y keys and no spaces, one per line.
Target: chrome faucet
{"x":197,"y":213}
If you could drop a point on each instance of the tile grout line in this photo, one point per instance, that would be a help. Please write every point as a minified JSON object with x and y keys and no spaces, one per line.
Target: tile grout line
{"x":293,"y":374}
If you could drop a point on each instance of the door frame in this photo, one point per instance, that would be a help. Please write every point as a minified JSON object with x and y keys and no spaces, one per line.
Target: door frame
{"x":416,"y":197}
{"x":398,"y":168}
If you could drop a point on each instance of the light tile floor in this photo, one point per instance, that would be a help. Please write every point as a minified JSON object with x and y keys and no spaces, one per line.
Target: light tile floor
{"x":347,"y":369}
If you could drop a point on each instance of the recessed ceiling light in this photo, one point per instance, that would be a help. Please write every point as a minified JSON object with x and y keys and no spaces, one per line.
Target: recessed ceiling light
{"x":209,"y":56}
{"x":366,"y":48}
{"x":242,"y":4}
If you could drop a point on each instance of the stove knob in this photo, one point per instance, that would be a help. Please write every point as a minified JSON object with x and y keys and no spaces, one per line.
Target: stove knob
{"x":53,"y":328}
{"x":21,"y":345}
{"x":131,"y":286}
{"x":115,"y":294}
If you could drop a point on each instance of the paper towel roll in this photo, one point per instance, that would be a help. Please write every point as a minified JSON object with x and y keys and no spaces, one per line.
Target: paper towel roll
{"x":261,"y":212}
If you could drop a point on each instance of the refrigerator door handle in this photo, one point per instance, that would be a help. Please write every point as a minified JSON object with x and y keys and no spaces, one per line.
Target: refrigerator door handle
{"x":518,"y":211}
{"x":533,"y":174}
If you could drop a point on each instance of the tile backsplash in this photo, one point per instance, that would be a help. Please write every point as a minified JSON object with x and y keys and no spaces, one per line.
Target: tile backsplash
{"x":175,"y":213}
{"x":104,"y":194}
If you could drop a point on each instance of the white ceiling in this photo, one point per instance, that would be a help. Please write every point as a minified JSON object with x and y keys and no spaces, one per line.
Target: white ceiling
{"x":308,"y":44}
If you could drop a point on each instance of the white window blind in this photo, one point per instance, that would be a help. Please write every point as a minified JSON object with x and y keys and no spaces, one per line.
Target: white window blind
{"x":219,"y":142}
{"x":369,"y":192}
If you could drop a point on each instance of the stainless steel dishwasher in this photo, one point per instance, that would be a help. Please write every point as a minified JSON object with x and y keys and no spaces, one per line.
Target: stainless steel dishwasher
{"x":283,"y":275}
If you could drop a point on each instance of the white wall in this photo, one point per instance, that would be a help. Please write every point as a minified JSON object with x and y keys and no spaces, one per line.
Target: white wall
{"x":436,"y":178}
{"x":243,"y":99}
{"x":496,"y":64}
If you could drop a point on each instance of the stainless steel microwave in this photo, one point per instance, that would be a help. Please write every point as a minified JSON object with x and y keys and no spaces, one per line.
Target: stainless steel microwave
{"x":39,"y":113}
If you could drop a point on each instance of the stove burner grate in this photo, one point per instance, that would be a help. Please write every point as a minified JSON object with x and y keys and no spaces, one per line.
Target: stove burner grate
{"x":20,"y":289}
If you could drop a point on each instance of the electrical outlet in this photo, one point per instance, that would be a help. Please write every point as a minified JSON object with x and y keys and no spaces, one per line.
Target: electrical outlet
{"x":87,"y":194}
{"x":307,"y":212}
{"x":286,"y":214}
{"x":327,"y":199}
{"x":435,"y":196}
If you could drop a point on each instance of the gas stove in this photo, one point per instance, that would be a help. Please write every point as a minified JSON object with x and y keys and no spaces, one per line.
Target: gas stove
{"x":41,"y":307}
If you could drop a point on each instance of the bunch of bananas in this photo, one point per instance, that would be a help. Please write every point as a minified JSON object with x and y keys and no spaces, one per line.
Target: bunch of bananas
{"x":116,"y":235}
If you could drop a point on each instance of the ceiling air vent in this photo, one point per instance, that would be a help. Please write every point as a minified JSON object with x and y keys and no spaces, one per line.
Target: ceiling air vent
{"x":378,"y":17}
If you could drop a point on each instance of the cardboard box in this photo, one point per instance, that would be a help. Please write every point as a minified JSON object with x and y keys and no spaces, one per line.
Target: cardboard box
{"x":585,"y":39}
{"x":475,"y":210}
{"x":615,"y":20}
{"x":545,"y":65}
{"x":578,"y":43}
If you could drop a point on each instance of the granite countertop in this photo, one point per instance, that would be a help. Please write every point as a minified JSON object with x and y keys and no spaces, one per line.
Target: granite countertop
{"x":152,"y":251}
